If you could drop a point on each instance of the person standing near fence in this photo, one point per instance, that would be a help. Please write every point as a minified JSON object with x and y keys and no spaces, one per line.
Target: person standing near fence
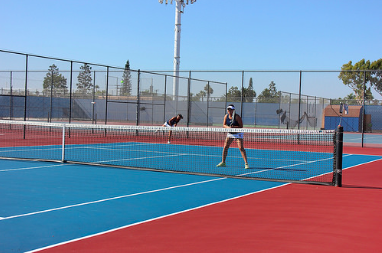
{"x":232,"y":120}
{"x":173,"y":122}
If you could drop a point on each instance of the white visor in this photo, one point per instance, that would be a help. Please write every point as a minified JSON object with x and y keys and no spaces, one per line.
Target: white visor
{"x":231,"y":107}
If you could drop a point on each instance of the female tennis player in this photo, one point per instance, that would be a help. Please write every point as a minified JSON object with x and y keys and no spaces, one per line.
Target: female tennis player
{"x":172,"y":123}
{"x":232,"y":120}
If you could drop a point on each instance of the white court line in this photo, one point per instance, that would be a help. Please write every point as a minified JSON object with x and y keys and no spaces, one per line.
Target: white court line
{"x":360,"y":163}
{"x":27,"y":149}
{"x":51,"y":147}
{"x":153,"y":219}
{"x":139,"y":158}
{"x":134,"y":150}
{"x":168,"y":215}
{"x":115,"y":148}
{"x":109,"y":199}
{"x":181,"y":154}
{"x":31,"y":168}
{"x":293,"y":165}
{"x":130,"y":195}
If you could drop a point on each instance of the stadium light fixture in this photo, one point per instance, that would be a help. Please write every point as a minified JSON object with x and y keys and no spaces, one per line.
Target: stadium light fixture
{"x":178,"y":13}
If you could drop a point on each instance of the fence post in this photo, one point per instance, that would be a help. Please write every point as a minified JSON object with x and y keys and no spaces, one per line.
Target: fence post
{"x":363,"y":107}
{"x":107,"y":92}
{"x":25,"y":95}
{"x":188,"y":99}
{"x":138,"y":97}
{"x":93,"y":97}
{"x":226,"y":98}
{"x":26,"y":87}
{"x":11,"y":97}
{"x":165,"y":98}
{"x":290,"y":105}
{"x":70,"y":91}
{"x":242,"y":94}
{"x":51,"y":99}
{"x":280,"y":95}
{"x":299,"y":102}
{"x":208,"y":100}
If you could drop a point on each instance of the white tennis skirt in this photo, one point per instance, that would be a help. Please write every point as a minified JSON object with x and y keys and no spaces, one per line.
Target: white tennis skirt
{"x":167,"y":125}
{"x":235,"y":135}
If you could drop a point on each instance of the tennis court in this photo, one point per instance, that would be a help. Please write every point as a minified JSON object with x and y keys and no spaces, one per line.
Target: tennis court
{"x":190,"y":158}
{"x":297,"y":155}
{"x":45,"y":204}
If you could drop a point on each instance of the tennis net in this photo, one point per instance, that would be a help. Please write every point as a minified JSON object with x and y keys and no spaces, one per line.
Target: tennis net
{"x":273,"y":154}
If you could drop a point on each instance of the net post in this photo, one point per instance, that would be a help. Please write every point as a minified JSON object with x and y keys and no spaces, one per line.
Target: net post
{"x":63,"y":144}
{"x":339,"y":151}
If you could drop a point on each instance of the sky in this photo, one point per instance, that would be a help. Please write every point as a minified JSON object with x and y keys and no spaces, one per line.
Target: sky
{"x":215,"y":34}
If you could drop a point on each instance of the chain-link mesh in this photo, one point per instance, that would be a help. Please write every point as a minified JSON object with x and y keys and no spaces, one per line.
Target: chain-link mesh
{"x":55,"y":90}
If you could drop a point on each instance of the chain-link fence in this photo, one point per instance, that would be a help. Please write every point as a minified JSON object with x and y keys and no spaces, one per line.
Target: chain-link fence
{"x":71,"y":91}
{"x":49,"y":89}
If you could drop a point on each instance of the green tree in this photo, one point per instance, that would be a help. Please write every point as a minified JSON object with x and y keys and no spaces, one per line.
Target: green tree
{"x":349,"y":99}
{"x":354,"y":77}
{"x":206,"y":92}
{"x":54,"y":82}
{"x":208,"y":89}
{"x":249,"y":93}
{"x":269,"y":95}
{"x":200,"y":95}
{"x":84,"y":85}
{"x":376,"y":76}
{"x":351,"y":96}
{"x":126,"y":80}
{"x":234,"y":94}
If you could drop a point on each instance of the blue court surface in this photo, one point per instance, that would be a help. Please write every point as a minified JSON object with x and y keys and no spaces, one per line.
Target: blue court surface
{"x":367,"y":138}
{"x":275,"y":164}
{"x":45,"y":203}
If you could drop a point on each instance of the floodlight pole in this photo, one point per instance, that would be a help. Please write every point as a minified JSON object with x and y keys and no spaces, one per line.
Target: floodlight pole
{"x":178,"y":15}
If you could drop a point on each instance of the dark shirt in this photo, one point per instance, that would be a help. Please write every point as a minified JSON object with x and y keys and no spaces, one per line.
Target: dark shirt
{"x":228,"y":121}
{"x":173,"y":121}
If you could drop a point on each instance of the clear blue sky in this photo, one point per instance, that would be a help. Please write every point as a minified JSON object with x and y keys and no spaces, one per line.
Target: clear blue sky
{"x":216,"y":34}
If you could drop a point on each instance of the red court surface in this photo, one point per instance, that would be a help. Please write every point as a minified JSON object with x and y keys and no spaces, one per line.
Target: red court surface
{"x":292,"y":218}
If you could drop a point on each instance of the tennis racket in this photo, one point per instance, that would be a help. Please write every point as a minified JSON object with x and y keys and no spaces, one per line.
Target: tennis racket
{"x":233,"y":118}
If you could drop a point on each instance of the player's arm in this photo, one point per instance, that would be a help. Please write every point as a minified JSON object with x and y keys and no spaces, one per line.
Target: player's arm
{"x":224,"y":122}
{"x":239,"y":120}
{"x":176,"y":121}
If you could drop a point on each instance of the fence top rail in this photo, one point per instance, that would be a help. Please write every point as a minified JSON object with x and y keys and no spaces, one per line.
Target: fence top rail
{"x":58,"y":59}
{"x":205,"y":71}
{"x":158,"y":72}
{"x":181,"y":77}
{"x":94,"y":64}
{"x":269,"y":71}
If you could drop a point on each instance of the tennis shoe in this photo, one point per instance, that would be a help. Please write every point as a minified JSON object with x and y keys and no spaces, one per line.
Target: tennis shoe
{"x":247,"y":166}
{"x":221,"y":165}
{"x":169,"y":142}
